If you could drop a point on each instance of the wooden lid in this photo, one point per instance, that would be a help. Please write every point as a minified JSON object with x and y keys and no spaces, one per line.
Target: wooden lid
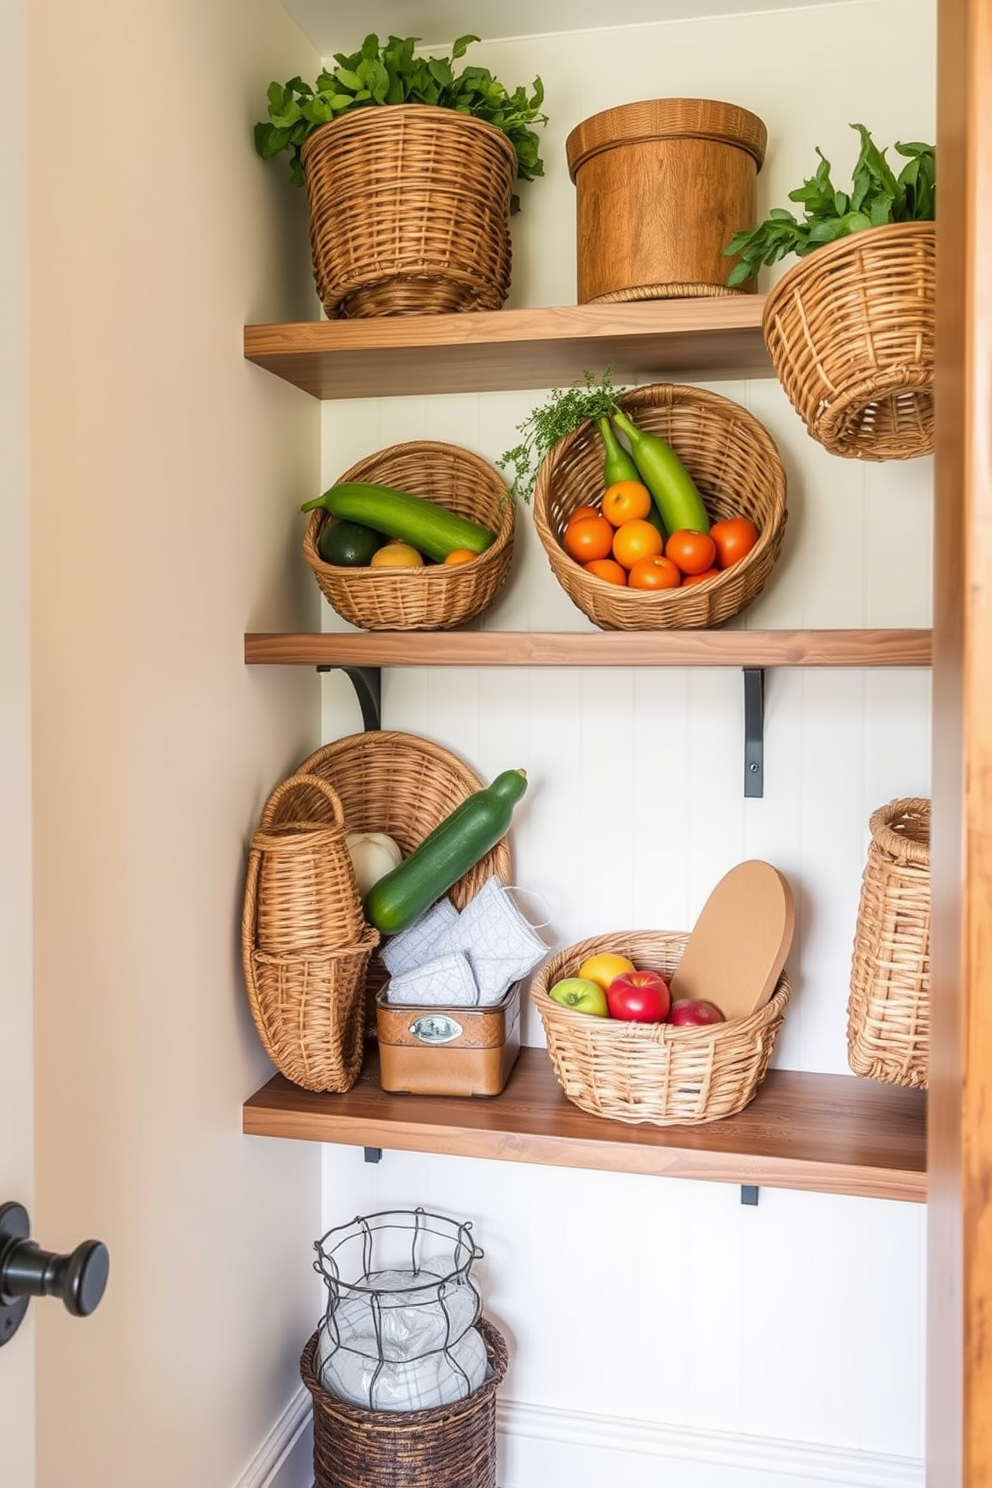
{"x":666,"y":118}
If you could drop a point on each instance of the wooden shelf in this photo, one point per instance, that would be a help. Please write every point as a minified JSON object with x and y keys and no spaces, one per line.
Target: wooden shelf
{"x":695,"y":648}
{"x":822,"y":1133}
{"x":492,"y":350}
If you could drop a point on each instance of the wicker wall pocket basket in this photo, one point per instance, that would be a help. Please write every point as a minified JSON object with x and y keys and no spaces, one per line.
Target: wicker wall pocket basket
{"x":409,"y":211}
{"x":651,"y":1072}
{"x":439,"y":595}
{"x":304,"y":940}
{"x":739,"y":473}
{"x":888,"y":1013}
{"x":850,"y":330}
{"x":448,"y":1446}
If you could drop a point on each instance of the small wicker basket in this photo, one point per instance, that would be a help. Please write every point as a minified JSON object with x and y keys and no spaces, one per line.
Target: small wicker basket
{"x":409,"y":211}
{"x":439,"y":595}
{"x":888,"y":1013}
{"x":448,"y":1446}
{"x":651,"y":1072}
{"x":850,"y":330}
{"x":739,"y":473}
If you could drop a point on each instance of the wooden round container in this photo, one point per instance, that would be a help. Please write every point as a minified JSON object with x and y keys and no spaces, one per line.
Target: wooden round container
{"x":661,"y":188}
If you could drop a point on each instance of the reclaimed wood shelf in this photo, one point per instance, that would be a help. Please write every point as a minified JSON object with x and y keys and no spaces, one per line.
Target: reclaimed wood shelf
{"x":821,"y":1133}
{"x":689,"y":648}
{"x":495,"y":350}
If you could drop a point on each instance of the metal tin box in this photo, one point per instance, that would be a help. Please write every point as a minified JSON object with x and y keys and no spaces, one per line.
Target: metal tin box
{"x":447,"y":1050}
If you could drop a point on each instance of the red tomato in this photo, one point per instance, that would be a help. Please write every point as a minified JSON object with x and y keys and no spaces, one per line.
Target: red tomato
{"x":708,"y":573}
{"x":734,"y":538}
{"x":692,"y":552}
{"x":654,"y":572}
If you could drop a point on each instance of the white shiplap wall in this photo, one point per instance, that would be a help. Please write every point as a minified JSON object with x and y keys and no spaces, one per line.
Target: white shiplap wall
{"x":658,"y":1323}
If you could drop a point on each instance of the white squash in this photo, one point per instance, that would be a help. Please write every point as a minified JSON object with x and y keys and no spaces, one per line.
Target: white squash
{"x":373,"y":855}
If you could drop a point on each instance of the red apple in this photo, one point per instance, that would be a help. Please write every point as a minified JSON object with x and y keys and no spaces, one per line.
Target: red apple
{"x":692,"y":1012}
{"x":639,"y":996}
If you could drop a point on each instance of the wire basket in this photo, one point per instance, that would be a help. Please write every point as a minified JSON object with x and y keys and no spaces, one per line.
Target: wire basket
{"x":850,"y":330}
{"x":652,"y":1072}
{"x":888,"y":1013}
{"x":409,"y":211}
{"x":439,"y":595}
{"x":304,"y":940}
{"x":737,"y":469}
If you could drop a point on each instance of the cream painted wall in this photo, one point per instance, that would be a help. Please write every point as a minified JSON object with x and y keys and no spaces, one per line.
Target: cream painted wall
{"x":163,"y":472}
{"x":666,"y":1305}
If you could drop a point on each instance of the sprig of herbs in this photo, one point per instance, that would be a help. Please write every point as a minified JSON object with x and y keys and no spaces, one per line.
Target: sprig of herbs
{"x":565,"y":410}
{"x":877,"y":197}
{"x":391,"y":73}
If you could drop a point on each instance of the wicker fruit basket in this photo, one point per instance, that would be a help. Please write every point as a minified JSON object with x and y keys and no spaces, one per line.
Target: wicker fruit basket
{"x":409,"y":211}
{"x":737,"y":468}
{"x":437,"y":596}
{"x":651,"y":1072}
{"x":304,"y":940}
{"x":850,"y":330}
{"x":448,"y":1446}
{"x":888,"y":1012}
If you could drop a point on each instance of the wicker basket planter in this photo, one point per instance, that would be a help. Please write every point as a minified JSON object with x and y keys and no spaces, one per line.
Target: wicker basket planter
{"x":449,"y":1446}
{"x":650,"y":1072}
{"x":737,"y":468}
{"x":409,"y":211}
{"x":850,"y":330}
{"x":888,"y":1013}
{"x":437,"y":596}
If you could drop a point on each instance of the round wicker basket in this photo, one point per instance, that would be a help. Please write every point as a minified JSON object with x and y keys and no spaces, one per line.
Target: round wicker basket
{"x":439,"y":595}
{"x":651,"y":1072}
{"x":409,"y":211}
{"x":738,"y":471}
{"x":850,"y":330}
{"x":888,"y":1011}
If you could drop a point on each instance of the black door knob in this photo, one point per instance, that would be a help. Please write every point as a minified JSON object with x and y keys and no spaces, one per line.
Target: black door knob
{"x":26,"y":1271}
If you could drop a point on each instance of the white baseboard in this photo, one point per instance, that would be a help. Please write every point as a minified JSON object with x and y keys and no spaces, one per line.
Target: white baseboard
{"x":285,"y":1458}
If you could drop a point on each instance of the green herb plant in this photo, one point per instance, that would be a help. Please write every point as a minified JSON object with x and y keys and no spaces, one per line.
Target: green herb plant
{"x":389,"y":73}
{"x":565,"y":410}
{"x":877,"y":197}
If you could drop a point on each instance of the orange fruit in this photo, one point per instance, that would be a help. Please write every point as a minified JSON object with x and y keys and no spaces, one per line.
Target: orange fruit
{"x":603,"y":966}
{"x":396,"y":555}
{"x":583,"y":511}
{"x":636,"y":539}
{"x":708,"y":573}
{"x":654,"y":572}
{"x":734,"y":539}
{"x":461,"y":555}
{"x":587,"y":538}
{"x":625,"y":501}
{"x":608,"y":569}
{"x":692,"y":552}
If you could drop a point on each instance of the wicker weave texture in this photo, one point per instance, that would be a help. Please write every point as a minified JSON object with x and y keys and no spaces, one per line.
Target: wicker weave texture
{"x":409,"y":212}
{"x":651,"y":1072}
{"x":450,"y":1446}
{"x":850,"y":331}
{"x":739,"y":473}
{"x":437,"y":596}
{"x":888,"y":1013}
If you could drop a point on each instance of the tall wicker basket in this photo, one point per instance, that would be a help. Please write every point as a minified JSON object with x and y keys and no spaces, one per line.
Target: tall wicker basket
{"x":888,"y":1013}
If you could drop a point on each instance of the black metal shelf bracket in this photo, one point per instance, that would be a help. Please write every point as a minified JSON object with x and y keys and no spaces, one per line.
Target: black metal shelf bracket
{"x":367,"y":682}
{"x":373,"y":1154}
{"x":749,"y":1193}
{"x":754,"y":731}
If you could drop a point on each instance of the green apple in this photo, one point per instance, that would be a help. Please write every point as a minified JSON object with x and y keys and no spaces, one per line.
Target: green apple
{"x":583,"y":995}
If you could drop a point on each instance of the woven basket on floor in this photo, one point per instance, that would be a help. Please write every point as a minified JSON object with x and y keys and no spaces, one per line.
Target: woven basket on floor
{"x":409,"y":211}
{"x":850,"y":330}
{"x":888,"y":1013}
{"x":448,"y":1446}
{"x":439,"y":595}
{"x":737,"y":469}
{"x":304,"y":939}
{"x":404,"y":785}
{"x":651,"y":1072}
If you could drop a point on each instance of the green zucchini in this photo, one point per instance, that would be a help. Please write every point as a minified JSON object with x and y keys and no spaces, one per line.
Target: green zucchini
{"x":455,"y":845}
{"x":429,"y":528}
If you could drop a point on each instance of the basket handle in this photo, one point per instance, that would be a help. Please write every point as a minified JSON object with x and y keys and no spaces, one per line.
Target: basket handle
{"x":898,"y":845}
{"x":322,"y":803}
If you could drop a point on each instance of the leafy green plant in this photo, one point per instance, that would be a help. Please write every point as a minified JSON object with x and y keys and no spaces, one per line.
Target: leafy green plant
{"x":391,"y":73}
{"x":563,"y":412}
{"x":877,"y":197}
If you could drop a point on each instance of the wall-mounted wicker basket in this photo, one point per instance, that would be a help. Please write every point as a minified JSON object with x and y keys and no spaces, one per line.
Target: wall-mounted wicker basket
{"x":652,"y":1072}
{"x":409,"y":211}
{"x":737,"y":468}
{"x":439,"y":595}
{"x":888,"y":1013}
{"x":850,"y":330}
